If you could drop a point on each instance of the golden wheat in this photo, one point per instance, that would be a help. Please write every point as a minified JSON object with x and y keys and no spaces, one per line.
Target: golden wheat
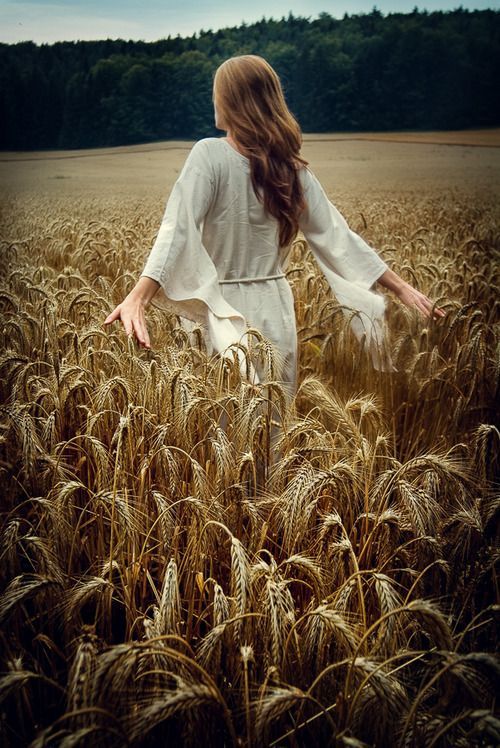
{"x":187,"y":558}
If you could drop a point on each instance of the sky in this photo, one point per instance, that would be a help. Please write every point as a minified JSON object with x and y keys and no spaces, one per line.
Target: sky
{"x":45,"y":21}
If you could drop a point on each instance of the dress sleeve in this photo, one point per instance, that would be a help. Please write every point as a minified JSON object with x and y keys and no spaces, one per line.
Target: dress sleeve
{"x":349,"y":264}
{"x":179,"y":262}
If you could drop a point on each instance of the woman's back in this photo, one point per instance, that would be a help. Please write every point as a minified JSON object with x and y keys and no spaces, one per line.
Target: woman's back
{"x":238,"y":234}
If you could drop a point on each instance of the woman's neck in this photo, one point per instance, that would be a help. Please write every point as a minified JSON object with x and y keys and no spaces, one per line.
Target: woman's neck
{"x":230,"y":139}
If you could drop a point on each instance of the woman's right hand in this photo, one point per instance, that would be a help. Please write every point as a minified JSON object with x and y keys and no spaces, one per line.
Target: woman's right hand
{"x":131,"y":311}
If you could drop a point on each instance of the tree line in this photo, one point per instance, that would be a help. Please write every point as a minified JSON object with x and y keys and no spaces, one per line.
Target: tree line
{"x":417,"y":70}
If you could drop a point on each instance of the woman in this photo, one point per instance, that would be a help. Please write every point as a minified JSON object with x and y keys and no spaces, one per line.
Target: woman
{"x":232,"y":214}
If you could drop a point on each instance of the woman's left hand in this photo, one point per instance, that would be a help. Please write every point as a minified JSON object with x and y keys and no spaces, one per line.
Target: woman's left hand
{"x":409,"y":295}
{"x":417,"y":300}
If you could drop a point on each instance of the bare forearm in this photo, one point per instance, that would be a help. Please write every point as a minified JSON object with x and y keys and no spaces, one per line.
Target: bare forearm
{"x":392,"y":281}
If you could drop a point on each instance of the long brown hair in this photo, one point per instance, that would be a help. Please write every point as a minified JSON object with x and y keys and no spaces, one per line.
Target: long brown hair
{"x":249,"y":98}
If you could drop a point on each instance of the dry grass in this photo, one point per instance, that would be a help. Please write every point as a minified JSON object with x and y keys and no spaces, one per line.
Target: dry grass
{"x":164,"y":580}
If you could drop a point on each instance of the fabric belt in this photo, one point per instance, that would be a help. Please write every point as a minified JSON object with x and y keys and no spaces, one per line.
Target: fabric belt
{"x":252,"y":279}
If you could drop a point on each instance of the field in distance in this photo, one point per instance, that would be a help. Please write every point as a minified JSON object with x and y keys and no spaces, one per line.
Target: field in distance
{"x":346,"y":163}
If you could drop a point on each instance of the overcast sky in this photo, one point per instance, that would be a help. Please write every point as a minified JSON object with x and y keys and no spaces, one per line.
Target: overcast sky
{"x":67,"y":20}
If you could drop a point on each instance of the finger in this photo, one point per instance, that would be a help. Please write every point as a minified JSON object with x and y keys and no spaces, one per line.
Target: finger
{"x":422,"y":308}
{"x":141,"y":332}
{"x":129,"y":329}
{"x":113,"y":316}
{"x":428,"y":305}
{"x":426,"y":302}
{"x":147,"y":341}
{"x":432,"y":310}
{"x":429,"y":310}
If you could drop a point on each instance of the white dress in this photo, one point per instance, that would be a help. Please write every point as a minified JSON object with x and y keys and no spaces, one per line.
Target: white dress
{"x":217,"y":260}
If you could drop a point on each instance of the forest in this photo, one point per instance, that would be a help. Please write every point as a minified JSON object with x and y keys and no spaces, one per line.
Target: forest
{"x":374,"y":72}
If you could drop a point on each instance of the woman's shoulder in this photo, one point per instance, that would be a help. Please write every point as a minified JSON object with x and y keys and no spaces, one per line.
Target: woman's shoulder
{"x":308,"y":178}
{"x":208,"y":146}
{"x":207,"y":153}
{"x":202,"y":158}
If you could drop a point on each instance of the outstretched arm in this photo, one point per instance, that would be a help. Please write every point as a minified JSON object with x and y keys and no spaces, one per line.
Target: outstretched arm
{"x":179,"y":272}
{"x":339,"y":249}
{"x":131,"y":310}
{"x":178,"y":230}
{"x":409,"y":295}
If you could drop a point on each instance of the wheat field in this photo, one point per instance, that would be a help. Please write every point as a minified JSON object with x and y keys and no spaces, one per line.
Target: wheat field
{"x":187,"y":560}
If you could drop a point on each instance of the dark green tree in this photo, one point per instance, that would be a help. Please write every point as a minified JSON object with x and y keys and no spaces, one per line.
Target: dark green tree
{"x":364,"y":72}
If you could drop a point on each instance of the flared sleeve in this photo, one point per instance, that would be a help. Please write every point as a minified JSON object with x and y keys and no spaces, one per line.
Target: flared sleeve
{"x":349,"y":264}
{"x":179,"y":262}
